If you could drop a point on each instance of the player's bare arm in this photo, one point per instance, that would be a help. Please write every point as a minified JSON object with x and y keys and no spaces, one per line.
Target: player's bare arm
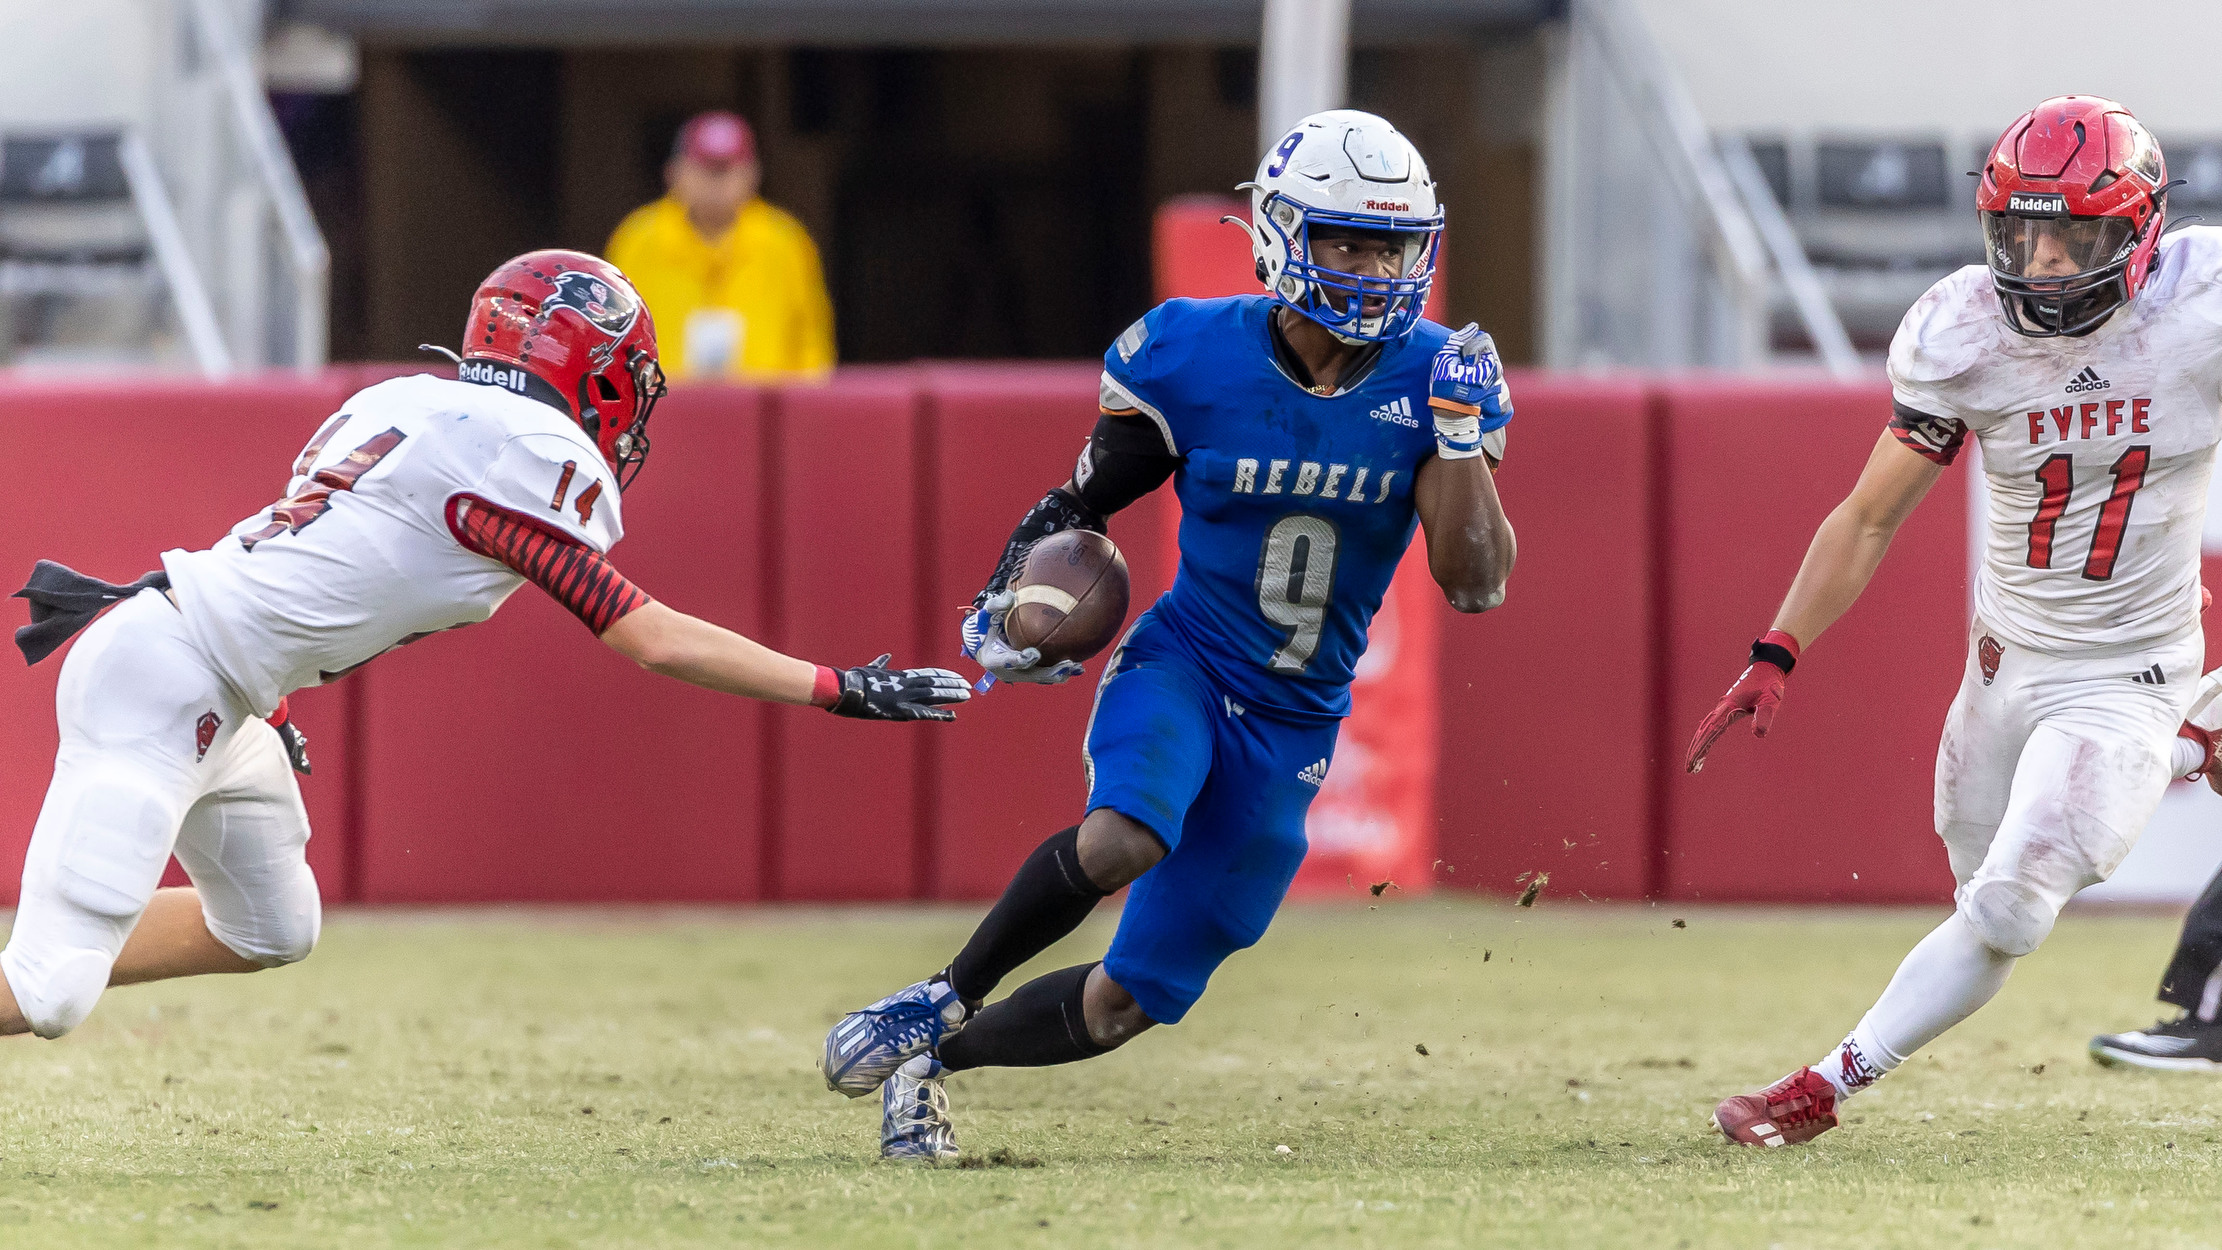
{"x":1470,"y":545}
{"x":695,"y":651}
{"x":674,"y":644}
{"x":1849,"y":546}
{"x":1846,"y":550}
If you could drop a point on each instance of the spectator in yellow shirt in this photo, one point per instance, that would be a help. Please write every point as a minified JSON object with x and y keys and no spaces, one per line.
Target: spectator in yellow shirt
{"x":734,"y":283}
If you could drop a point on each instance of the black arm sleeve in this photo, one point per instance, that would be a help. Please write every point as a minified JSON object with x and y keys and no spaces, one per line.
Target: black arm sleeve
{"x":1125,"y":459}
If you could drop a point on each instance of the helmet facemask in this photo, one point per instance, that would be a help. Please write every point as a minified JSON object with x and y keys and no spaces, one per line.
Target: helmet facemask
{"x":1338,"y":299}
{"x":2057,"y":275}
{"x":628,"y":451}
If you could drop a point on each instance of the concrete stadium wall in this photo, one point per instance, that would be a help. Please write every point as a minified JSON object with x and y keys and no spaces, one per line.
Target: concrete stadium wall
{"x":518,"y":760}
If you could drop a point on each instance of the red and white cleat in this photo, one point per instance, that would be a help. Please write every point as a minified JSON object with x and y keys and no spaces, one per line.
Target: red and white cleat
{"x":1797,"y":1108}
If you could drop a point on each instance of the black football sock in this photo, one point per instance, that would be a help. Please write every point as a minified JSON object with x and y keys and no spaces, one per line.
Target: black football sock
{"x":1047,"y":899}
{"x":1041,"y":1023}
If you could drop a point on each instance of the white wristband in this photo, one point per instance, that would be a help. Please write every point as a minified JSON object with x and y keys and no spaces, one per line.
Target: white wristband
{"x":1457,"y":438}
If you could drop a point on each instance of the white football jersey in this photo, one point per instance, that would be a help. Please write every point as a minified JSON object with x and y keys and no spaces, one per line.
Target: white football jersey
{"x":358,"y":557}
{"x":2097,"y":450}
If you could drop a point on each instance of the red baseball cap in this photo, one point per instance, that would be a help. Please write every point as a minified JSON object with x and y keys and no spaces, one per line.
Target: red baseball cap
{"x":716,"y":138}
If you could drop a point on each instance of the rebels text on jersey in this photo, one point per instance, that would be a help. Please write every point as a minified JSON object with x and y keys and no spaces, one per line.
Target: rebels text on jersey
{"x":364,"y":553}
{"x":2097,"y":450}
{"x":1295,"y":507}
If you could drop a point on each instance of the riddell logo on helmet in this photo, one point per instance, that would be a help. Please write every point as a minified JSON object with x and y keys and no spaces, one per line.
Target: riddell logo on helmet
{"x":1386,"y":206}
{"x":2049,"y":203}
{"x":488,"y":373}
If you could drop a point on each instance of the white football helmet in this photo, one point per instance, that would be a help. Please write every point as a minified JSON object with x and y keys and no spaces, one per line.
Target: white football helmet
{"x":1344,"y":168}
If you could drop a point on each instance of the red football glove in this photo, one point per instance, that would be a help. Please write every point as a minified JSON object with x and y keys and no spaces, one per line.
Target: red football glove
{"x":1757,"y":693}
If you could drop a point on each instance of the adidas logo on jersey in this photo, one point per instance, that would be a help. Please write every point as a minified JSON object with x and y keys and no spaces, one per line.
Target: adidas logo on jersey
{"x":2150,"y":677}
{"x":2088,"y":380}
{"x":1313,"y":774}
{"x":1397,"y":411}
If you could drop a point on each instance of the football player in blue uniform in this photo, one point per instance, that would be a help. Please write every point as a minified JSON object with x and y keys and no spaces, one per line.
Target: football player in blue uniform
{"x":1307,"y":432}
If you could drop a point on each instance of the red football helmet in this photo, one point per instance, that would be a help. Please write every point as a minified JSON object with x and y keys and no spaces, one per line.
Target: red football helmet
{"x":581,"y":340}
{"x":2073,"y":200}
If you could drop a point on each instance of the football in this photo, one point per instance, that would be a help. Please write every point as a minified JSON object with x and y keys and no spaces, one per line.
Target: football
{"x":1070,"y":597}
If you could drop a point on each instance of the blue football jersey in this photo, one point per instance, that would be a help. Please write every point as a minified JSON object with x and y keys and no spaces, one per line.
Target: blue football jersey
{"x":1295,"y":507}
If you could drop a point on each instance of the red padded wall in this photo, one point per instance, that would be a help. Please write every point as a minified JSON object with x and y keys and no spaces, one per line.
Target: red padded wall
{"x":522,"y":759}
{"x":1547,"y":729}
{"x":1008,"y":773}
{"x":1843,"y":783}
{"x":104,"y":477}
{"x":1659,"y":526}
{"x":845,"y":586}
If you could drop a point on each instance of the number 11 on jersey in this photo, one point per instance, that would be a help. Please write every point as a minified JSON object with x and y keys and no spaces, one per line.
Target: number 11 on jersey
{"x":2057,"y":476}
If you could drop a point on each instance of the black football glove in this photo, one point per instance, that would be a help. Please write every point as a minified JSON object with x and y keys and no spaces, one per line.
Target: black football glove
{"x":876,"y":692}
{"x":296,"y":747}
{"x":290,"y":736}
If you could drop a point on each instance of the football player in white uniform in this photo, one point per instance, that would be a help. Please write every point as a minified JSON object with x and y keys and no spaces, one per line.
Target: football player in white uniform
{"x":2087,"y":358}
{"x":420,"y":507}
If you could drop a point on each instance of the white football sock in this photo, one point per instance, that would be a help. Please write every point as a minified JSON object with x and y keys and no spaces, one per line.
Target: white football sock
{"x":1942,"y":981}
{"x":2188,"y":756}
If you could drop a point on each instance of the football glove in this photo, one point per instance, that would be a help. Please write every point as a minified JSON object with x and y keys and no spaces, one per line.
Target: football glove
{"x":1757,"y":694}
{"x":1468,"y":393}
{"x":290,"y":736}
{"x":984,"y":642}
{"x":876,"y":692}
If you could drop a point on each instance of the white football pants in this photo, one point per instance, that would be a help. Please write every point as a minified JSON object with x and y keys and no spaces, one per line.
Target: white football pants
{"x":2049,"y":768}
{"x":158,"y":755}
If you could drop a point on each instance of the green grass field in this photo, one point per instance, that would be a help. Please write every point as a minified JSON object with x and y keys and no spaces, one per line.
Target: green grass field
{"x":606,"y":1080}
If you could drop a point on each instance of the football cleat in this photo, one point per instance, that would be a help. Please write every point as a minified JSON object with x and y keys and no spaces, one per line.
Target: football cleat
{"x":1797,"y":1108}
{"x":866,"y":1047}
{"x":914,"y":1113}
{"x":2184,"y":1045}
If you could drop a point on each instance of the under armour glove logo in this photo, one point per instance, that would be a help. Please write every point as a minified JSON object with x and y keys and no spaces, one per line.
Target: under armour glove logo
{"x":876,"y":692}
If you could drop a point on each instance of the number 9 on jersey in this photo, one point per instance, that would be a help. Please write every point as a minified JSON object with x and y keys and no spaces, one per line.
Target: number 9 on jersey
{"x":1296,"y":573}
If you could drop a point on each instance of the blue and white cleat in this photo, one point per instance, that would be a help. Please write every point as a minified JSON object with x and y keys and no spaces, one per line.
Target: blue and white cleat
{"x":866,"y":1047}
{"x":914,"y":1113}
